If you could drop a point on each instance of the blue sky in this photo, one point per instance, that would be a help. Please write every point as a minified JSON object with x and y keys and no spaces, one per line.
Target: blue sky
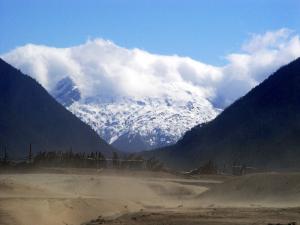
{"x":203,"y":30}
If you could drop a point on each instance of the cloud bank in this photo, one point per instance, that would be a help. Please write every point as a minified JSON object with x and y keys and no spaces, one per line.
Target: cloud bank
{"x":101,"y":68}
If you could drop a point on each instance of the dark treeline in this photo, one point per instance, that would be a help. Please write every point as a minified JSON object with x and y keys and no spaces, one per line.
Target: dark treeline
{"x":97,"y":160}
{"x":69,"y":159}
{"x":4,"y":158}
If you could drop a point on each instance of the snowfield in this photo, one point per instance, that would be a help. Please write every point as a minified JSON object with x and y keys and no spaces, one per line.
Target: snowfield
{"x":139,"y":124}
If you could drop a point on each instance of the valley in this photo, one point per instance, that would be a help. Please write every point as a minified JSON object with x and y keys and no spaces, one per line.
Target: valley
{"x":140,"y":112}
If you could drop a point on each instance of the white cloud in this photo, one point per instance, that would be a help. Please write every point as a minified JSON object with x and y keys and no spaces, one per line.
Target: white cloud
{"x":270,"y":39}
{"x":100,"y":67}
{"x":262,"y":56}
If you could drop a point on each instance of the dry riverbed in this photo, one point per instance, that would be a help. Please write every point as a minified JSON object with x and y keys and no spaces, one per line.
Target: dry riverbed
{"x":92,"y":197}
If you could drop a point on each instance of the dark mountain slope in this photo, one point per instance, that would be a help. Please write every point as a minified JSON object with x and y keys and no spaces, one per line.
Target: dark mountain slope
{"x":30,"y":115}
{"x":261,"y":129}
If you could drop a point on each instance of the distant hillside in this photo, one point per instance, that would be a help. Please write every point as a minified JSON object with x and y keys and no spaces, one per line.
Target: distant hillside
{"x":261,"y":129}
{"x":30,"y":115}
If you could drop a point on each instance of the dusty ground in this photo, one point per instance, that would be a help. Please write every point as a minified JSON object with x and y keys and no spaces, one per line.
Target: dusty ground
{"x":104,"y":197}
{"x":207,"y":216}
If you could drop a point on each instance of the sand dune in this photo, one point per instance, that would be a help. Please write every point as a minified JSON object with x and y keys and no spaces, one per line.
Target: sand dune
{"x":266,"y":190}
{"x":51,"y":199}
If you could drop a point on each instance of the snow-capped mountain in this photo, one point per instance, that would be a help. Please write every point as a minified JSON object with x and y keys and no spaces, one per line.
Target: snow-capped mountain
{"x":139,"y":100}
{"x":66,"y":92}
{"x":134,"y":99}
{"x":138,"y":124}
{"x":134,"y":124}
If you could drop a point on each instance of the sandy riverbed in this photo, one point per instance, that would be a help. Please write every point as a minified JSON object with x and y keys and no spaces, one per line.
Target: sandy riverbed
{"x":147,"y":198}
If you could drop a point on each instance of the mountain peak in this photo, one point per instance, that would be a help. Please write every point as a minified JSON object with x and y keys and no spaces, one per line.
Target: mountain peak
{"x":66,"y":92}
